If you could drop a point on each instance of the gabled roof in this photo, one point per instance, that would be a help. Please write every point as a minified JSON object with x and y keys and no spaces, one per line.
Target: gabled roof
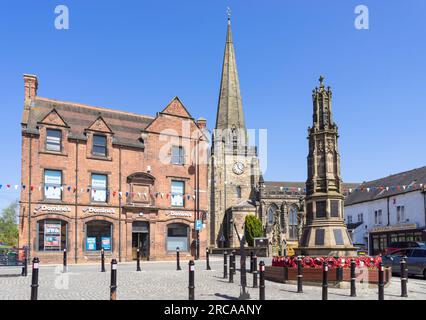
{"x":390,"y":186}
{"x":54,"y":118}
{"x":176,"y":108}
{"x":100,"y":125}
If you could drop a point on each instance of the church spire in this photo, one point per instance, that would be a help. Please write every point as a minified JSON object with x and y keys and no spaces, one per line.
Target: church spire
{"x":230,"y":108}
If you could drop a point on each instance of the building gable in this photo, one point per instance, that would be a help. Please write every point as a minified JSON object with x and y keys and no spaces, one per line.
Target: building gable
{"x":100,"y":125}
{"x":54,"y":118}
{"x":176,"y":108}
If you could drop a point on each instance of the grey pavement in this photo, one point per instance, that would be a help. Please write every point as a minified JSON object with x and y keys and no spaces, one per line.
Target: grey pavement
{"x":161,"y":281}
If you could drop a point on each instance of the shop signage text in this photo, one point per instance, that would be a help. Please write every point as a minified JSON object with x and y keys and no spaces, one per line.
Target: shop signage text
{"x":45,"y":208}
{"x":180,"y":214}
{"x":394,"y":228}
{"x":99,"y":210}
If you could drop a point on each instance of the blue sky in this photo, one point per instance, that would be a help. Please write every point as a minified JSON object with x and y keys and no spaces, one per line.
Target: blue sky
{"x":137,"y":55}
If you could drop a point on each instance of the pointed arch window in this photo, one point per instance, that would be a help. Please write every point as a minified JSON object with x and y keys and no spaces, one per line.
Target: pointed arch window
{"x":271,"y":214}
{"x":292,"y":223}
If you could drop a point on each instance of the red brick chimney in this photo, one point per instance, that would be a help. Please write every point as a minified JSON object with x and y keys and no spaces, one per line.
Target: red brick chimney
{"x":31,"y":86}
{"x":202,"y":123}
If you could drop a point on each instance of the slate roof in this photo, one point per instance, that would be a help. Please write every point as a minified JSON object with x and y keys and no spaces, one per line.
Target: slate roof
{"x":390,"y":186}
{"x":126,"y":126}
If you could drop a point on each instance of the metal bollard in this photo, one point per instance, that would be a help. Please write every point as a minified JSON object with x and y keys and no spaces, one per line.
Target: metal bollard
{"x":34,"y":279}
{"x":255,"y":272}
{"x":299,"y":276}
{"x":65,"y":261}
{"x":103,"y":260}
{"x":231,"y":271}
{"x":404,"y":277}
{"x":325,"y":281}
{"x":381,"y":282}
{"x":353,"y":278}
{"x":251,"y":262}
{"x":234,"y":267}
{"x":138,"y":260}
{"x":191,"y":286}
{"x":339,"y":274}
{"x":262,"y":280}
{"x":113,"y":287}
{"x":225,"y":265}
{"x":208,"y":259}
{"x":178,"y":268}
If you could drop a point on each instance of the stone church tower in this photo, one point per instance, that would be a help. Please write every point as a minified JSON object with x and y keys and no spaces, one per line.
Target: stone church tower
{"x":234,"y":167}
{"x":325,"y":232}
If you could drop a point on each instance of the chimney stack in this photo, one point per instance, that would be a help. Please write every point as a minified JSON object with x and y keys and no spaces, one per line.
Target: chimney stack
{"x":31,"y":86}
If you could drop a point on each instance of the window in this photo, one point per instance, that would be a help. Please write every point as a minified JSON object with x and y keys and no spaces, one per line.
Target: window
{"x":98,"y":236}
{"x":378,"y":217}
{"x":177,"y":237}
{"x":238,"y":189}
{"x":271,"y":214}
{"x":52,"y":235}
{"x":178,"y":190}
{"x":321,"y":209}
{"x":52,"y":185}
{"x":99,"y":146}
{"x":53,"y":140}
{"x":99,"y":188}
{"x":292,"y":223}
{"x":349,"y":219}
{"x":400,"y":214}
{"x":178,"y":155}
{"x":361,"y":217}
{"x":419,"y":253}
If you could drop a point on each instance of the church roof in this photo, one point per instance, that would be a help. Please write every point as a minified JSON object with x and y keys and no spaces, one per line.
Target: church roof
{"x":230,"y":108}
{"x":390,"y":186}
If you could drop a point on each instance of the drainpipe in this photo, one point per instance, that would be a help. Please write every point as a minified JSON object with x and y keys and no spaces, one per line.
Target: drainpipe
{"x":76,"y":204}
{"x":388,"y":198}
{"x":29,"y":195}
{"x":119,"y":206}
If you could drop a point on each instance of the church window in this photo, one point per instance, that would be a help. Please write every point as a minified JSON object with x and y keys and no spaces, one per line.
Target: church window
{"x":271,"y":214}
{"x":292,"y":223}
{"x":238,"y":189}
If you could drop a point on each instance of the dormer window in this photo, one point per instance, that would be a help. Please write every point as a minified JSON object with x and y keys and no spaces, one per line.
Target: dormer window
{"x":99,"y":146}
{"x":53,"y":140}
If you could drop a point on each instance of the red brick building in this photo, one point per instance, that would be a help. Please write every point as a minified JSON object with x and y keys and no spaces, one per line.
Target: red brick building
{"x":96,"y":178}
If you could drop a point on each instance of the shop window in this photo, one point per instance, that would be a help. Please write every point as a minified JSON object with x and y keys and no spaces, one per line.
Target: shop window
{"x":177,"y":237}
{"x":178,"y":155}
{"x":53,"y":140}
{"x":99,"y":187}
{"x":98,"y":236}
{"x":292,"y":223}
{"x":52,"y":185}
{"x":178,"y":191}
{"x":99,"y":145}
{"x":52,"y":235}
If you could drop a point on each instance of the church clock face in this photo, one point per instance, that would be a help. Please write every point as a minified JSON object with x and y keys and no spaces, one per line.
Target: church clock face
{"x":238,"y":168}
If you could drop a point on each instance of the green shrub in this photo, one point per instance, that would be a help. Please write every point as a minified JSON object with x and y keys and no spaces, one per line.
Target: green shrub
{"x":254,"y":229}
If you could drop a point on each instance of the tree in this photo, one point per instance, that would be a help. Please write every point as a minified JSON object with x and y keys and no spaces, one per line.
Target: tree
{"x":8,"y":225}
{"x":254,"y":229}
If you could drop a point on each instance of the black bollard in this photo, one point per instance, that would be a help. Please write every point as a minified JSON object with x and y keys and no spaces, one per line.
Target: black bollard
{"x":103,"y":260}
{"x":34,"y":279}
{"x":138,"y":260}
{"x":325,"y":281}
{"x":339,"y":274}
{"x":353,"y":278}
{"x":251,"y":262}
{"x":231,"y":271}
{"x":178,"y":268}
{"x":65,"y":261}
{"x":225,"y":265}
{"x":113,"y":287}
{"x":255,"y":272}
{"x":381,"y":282}
{"x":208,"y":259}
{"x":404,"y":277}
{"x":299,"y":276}
{"x":262,"y":280}
{"x":234,"y":267}
{"x":191,"y":286}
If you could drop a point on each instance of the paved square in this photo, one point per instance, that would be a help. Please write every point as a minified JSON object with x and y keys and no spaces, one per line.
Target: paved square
{"x":161,"y":281}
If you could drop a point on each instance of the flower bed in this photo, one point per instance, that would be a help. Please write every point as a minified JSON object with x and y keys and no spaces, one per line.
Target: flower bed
{"x":317,"y":262}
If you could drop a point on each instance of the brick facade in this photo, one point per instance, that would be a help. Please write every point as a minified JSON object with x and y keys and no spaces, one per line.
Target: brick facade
{"x":138,"y":172}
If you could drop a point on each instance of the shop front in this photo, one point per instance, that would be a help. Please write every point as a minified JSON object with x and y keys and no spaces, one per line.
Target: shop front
{"x":382,"y":237}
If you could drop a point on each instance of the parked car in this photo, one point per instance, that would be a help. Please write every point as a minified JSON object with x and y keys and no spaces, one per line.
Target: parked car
{"x":416,"y":261}
{"x":395,"y":246}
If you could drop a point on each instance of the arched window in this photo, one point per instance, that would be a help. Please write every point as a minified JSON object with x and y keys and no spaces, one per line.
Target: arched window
{"x":177,"y":237}
{"x":52,"y":235}
{"x":98,"y":236}
{"x":292,"y":223}
{"x":271,"y":214}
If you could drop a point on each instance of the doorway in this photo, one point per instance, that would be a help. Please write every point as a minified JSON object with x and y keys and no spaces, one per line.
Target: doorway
{"x":140,"y":239}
